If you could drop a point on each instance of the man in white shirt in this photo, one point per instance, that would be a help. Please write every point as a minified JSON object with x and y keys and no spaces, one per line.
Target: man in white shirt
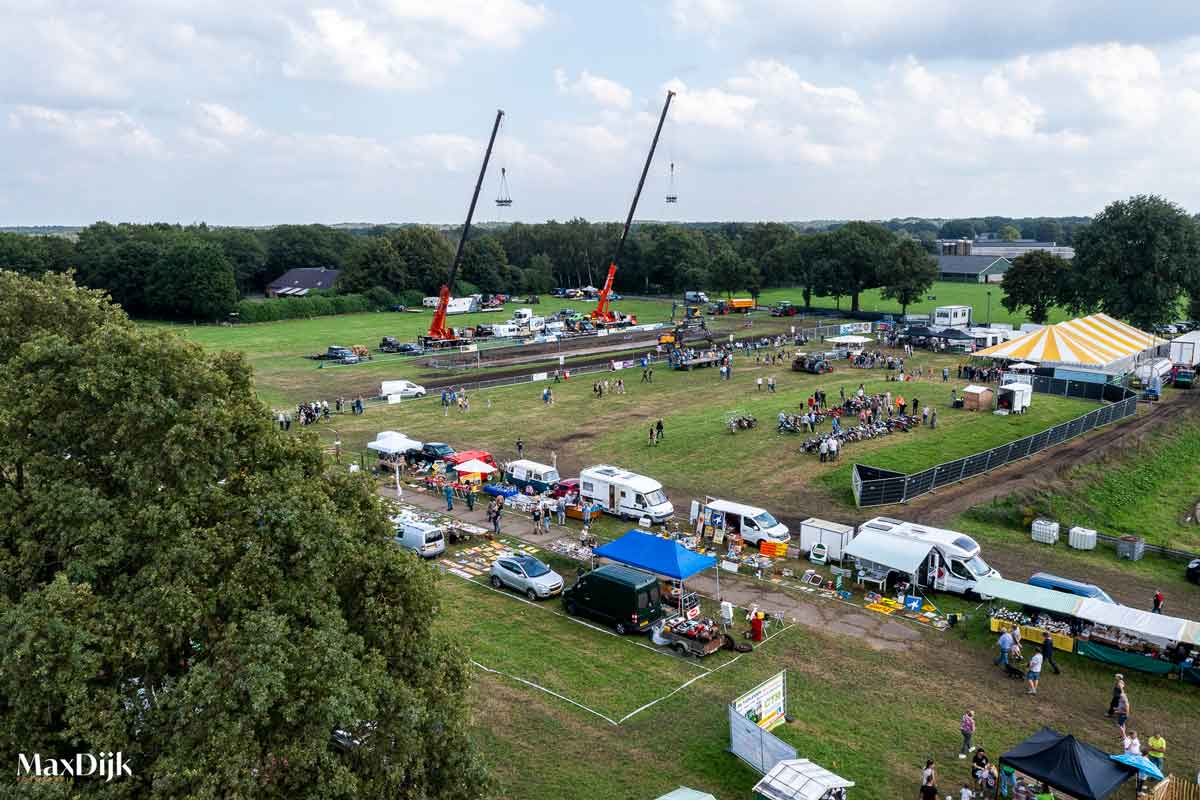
{"x":1035,"y":672}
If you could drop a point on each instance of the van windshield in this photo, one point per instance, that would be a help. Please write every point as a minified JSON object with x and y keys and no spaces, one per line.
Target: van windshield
{"x":765,"y":520}
{"x":655,"y":498}
{"x":550,"y":475}
{"x":978,"y":566}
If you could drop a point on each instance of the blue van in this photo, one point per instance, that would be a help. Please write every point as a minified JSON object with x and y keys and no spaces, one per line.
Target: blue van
{"x":1059,"y":584}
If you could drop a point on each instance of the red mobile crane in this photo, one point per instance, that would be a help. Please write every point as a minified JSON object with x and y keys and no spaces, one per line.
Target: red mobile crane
{"x":439,"y":335}
{"x":603,"y":316}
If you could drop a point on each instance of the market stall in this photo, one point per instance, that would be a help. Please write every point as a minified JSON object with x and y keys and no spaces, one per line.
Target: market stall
{"x":684,"y":793}
{"x":1043,"y":610}
{"x":801,"y":779}
{"x":1064,"y":763}
{"x":881,"y":559}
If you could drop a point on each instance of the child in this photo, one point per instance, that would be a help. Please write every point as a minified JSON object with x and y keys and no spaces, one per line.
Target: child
{"x":966,"y":793}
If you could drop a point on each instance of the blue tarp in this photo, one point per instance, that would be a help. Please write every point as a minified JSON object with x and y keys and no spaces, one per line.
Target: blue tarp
{"x":655,"y":554}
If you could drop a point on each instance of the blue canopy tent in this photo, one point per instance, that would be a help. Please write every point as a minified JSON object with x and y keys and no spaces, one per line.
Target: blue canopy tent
{"x":658,"y":555}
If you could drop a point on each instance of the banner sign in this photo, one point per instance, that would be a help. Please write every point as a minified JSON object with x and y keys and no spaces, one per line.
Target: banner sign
{"x":766,"y":703}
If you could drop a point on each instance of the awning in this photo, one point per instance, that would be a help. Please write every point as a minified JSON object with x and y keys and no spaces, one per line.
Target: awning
{"x":655,"y":554}
{"x":1034,"y":596}
{"x":851,"y":339}
{"x":1144,"y":623}
{"x":894,"y":552}
{"x":799,"y":779}
{"x":474,"y":466}
{"x":391,"y":442}
{"x":1022,"y":365}
{"x":954,"y":334}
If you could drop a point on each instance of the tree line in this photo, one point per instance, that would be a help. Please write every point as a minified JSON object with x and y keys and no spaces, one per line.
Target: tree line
{"x":1138,"y":260}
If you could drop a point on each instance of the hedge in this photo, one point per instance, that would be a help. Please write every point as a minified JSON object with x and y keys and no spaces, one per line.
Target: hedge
{"x":302,"y":307}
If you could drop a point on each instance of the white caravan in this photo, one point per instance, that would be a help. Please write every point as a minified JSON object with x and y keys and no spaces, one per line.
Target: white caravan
{"x":624,"y":494}
{"x":947,"y":561}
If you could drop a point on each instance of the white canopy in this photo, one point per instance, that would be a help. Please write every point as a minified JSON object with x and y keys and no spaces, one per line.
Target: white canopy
{"x":1023,"y":593}
{"x":1143,"y":623}
{"x":895,"y":552}
{"x":1022,"y":365}
{"x":392,"y":442}
{"x":851,"y":339}
{"x":473,"y":466}
{"x":799,"y":779}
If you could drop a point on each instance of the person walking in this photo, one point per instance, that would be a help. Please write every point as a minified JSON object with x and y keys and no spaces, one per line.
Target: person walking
{"x":1118,"y":687}
{"x":1123,"y":709}
{"x":1034,"y":673}
{"x":471,"y":499}
{"x":1048,"y":652}
{"x":658,"y":430}
{"x":449,"y":491}
{"x":1156,"y":750}
{"x":967,"y":728}
{"x":771,"y":384}
{"x":650,"y":442}
{"x":1005,"y":643}
{"x":537,"y":518}
{"x":1159,"y":601}
{"x":933,"y":419}
{"x":496,"y":512}
{"x":759,"y":382}
{"x":560,"y":507}
{"x":520,"y":447}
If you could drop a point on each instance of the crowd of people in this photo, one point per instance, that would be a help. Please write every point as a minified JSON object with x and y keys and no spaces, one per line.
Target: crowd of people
{"x":316,"y":411}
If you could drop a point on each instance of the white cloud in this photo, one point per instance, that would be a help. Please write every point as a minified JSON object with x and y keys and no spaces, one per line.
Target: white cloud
{"x":605,"y":92}
{"x":341,"y":47}
{"x":711,"y":107}
{"x":225,"y":121}
{"x":96,"y":131}
{"x":497,"y":23}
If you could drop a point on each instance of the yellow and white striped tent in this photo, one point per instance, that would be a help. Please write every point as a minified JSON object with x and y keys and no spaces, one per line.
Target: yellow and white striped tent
{"x":1097,"y":341}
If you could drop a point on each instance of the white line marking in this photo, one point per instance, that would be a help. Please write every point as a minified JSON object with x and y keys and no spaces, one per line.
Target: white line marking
{"x":665,"y":696}
{"x":549,"y":691}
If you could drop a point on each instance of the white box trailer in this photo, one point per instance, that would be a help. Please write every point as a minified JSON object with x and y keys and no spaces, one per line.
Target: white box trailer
{"x":833,"y":535}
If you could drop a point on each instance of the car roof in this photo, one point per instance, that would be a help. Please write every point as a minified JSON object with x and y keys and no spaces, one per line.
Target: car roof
{"x":623,"y":574}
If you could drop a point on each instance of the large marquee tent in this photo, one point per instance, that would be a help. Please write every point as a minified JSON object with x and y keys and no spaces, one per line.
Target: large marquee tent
{"x":1096,"y":341}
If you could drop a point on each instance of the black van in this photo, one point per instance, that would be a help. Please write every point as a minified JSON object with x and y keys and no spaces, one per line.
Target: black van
{"x":626,"y":598}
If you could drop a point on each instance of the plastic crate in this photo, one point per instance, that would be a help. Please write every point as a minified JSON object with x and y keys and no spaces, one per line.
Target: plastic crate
{"x":1081,"y":538}
{"x":1045,"y":531}
{"x":1131,"y":548}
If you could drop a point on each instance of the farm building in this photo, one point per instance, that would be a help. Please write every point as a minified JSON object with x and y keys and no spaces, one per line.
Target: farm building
{"x":972,"y":269}
{"x":299,"y":282}
{"x":1095,"y":342}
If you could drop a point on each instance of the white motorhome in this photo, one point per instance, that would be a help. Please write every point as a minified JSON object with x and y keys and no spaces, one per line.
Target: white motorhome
{"x":891,"y":550}
{"x":624,"y":494}
{"x":952,"y":317}
{"x":463,"y":305}
{"x":753,"y":524}
{"x":424,"y":539}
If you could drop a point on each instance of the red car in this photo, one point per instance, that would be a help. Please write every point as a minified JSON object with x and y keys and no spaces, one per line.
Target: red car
{"x":565,"y":488}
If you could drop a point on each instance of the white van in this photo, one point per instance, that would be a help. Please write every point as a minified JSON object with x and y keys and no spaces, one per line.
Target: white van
{"x":695,"y":297}
{"x":950,"y":561}
{"x":524,"y":472}
{"x":427,"y":541}
{"x":753,"y":524}
{"x":624,"y":494}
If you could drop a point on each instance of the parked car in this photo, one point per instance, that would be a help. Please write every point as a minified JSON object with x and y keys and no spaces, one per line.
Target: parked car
{"x":527,"y":575}
{"x":558,"y":291}
{"x":429,"y":452}
{"x":565,"y":488}
{"x":626,"y":598}
{"x":405,"y":389}
{"x":1193,"y":571}
{"x":427,"y":541}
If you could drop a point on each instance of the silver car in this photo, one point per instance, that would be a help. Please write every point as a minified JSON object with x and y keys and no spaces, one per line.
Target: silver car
{"x":527,"y":575}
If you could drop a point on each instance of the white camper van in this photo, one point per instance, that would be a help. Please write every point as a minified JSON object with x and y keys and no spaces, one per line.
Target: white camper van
{"x":753,"y":524}
{"x":624,"y":494}
{"x":427,"y":541}
{"x":934,"y":558}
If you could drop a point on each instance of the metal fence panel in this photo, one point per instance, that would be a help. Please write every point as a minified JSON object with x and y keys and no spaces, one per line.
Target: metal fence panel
{"x":874,"y":486}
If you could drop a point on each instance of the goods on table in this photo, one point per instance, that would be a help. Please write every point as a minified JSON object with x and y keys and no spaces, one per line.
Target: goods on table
{"x":1045,"y":531}
{"x":1081,"y":538}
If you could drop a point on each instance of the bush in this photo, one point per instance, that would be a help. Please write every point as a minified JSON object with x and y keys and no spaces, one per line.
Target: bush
{"x":302,"y":307}
{"x":411,"y":298}
{"x":380,"y":298}
{"x":465,"y":288}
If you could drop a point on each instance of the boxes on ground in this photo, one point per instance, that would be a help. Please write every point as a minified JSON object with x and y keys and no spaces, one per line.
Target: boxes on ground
{"x":772,"y":549}
{"x":1081,"y":538}
{"x":1131,"y":547}
{"x":1045,"y":531}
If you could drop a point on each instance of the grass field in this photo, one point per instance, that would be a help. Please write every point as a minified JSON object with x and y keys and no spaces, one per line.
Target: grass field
{"x":871,"y":716}
{"x":698,"y":455}
{"x":946,"y":293}
{"x":1151,"y":491}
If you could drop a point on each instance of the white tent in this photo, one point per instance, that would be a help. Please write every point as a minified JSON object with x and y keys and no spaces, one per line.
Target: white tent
{"x":392,"y":442}
{"x":893,"y":552}
{"x":852,"y":339}
{"x":473,"y":466}
{"x":1022,"y":365}
{"x":1158,"y":627}
{"x":799,"y":779}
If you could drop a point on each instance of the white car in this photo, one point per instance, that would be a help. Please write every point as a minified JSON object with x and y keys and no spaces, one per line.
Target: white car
{"x":527,"y":575}
{"x":406,"y":389}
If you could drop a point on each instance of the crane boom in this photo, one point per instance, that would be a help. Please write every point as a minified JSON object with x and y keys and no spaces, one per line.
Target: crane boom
{"x":438,"y":332}
{"x":603,"y":314}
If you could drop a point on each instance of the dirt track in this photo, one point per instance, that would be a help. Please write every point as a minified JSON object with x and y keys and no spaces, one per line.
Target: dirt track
{"x":1046,"y":470}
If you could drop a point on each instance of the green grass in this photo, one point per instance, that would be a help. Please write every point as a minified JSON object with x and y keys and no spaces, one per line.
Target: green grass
{"x":1149,"y":491}
{"x":947,"y":293}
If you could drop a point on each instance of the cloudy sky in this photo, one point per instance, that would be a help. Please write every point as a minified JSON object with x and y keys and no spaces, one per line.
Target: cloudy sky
{"x":377,"y":110}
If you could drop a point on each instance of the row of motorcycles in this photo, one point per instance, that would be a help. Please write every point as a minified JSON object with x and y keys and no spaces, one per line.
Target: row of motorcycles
{"x":869,"y":430}
{"x":743,"y":422}
{"x":794,"y":423}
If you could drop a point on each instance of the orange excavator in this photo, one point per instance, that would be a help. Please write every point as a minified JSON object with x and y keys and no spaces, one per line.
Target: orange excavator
{"x":603,"y":316}
{"x":439,"y":335}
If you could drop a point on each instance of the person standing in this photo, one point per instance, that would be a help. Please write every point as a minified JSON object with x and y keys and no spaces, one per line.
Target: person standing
{"x":560,"y":507}
{"x":1123,"y":709}
{"x":771,"y":384}
{"x":1005,"y":643}
{"x":1048,"y":652}
{"x":471,"y":498}
{"x":759,"y":382}
{"x":1118,"y":687}
{"x":1034,"y":673}
{"x":651,"y":440}
{"x":520,"y":447}
{"x":658,"y":430}
{"x":537,"y":518}
{"x":1156,"y":750}
{"x":933,"y":419}
{"x":929,"y":790}
{"x":823,"y":450}
{"x":496,"y":515}
{"x":967,"y":728}
{"x":449,"y":492}
{"x":1156,"y":605}
{"x":929,"y":774}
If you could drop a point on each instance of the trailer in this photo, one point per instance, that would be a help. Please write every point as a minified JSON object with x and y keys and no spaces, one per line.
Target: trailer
{"x":833,"y":535}
{"x":697,"y":637}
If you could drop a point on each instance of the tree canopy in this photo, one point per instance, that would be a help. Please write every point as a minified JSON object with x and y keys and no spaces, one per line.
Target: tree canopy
{"x":181,"y":581}
{"x":1036,"y":282}
{"x":910,"y":275}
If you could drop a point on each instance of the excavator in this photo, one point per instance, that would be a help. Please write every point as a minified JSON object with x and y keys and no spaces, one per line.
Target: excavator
{"x":603,"y":316}
{"x":439,"y":335}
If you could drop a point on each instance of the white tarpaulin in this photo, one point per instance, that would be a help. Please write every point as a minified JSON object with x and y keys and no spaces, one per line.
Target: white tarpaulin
{"x":894,"y":552}
{"x":1143,"y":623}
{"x":473,"y":466}
{"x":392,"y":442}
{"x":799,"y":779}
{"x":850,"y":339}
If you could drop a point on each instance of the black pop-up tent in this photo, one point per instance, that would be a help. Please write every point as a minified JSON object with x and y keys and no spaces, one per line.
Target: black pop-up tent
{"x":1067,"y":764}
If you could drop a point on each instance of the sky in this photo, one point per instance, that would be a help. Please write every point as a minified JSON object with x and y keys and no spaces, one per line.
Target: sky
{"x":286,"y":111}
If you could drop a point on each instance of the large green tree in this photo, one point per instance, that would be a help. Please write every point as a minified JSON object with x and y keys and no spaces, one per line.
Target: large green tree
{"x":248,"y":255}
{"x":728,"y":272}
{"x":295,"y":246}
{"x":1135,"y":261}
{"x":184,"y":583}
{"x":485,"y":263}
{"x":374,"y":261}
{"x":426,"y":253}
{"x":909,"y":275}
{"x":33,"y":255}
{"x":1035,"y":282}
{"x":863,"y":251}
{"x":192,"y":279}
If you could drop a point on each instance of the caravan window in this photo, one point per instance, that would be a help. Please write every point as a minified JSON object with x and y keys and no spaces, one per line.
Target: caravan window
{"x":959,"y":570}
{"x":966,"y":543}
{"x":586,"y":486}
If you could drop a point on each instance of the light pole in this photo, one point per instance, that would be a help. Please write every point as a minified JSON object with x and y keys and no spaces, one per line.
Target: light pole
{"x":989,"y":316}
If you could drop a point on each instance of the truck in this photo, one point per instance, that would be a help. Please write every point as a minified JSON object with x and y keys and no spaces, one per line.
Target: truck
{"x":889,"y":551}
{"x":624,"y":494}
{"x":429,"y":452}
{"x":832,"y":535}
{"x":738,"y":305}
